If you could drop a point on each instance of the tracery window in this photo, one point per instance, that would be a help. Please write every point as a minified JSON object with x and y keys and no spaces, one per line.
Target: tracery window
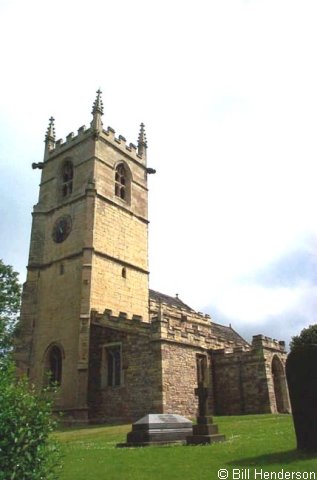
{"x":67,"y":178}
{"x":121,"y":182}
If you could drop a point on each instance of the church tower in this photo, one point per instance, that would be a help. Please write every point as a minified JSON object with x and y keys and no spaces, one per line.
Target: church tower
{"x":88,"y":252}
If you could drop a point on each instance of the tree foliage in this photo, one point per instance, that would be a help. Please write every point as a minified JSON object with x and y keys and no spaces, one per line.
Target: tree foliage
{"x":307,"y":336}
{"x":26,"y":450}
{"x":10,"y":298}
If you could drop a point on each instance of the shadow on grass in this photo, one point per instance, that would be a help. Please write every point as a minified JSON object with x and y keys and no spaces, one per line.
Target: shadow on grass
{"x":281,"y":458}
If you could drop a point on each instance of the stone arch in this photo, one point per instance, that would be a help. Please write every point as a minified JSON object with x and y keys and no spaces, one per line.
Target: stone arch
{"x":53,"y":365}
{"x":280,"y":386}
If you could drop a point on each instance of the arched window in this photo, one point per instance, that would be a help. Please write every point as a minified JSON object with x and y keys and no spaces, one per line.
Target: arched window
{"x":67,"y":178}
{"x":53,"y":364}
{"x":121,"y":182}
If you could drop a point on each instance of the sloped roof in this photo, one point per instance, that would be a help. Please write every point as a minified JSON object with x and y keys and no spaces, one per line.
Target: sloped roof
{"x":222,"y":331}
{"x":171,"y":301}
{"x":219,"y":331}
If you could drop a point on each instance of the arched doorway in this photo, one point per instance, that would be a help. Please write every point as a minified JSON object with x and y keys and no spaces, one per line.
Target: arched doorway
{"x":280,"y":386}
{"x":53,"y":366}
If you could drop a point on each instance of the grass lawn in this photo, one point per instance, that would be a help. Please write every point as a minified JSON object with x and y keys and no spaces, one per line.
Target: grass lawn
{"x":253,"y":442}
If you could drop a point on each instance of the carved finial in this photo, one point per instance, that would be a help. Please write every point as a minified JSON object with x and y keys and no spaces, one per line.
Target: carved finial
{"x":142,"y":136}
{"x":50,"y":138}
{"x":50,"y":132}
{"x":98,"y":105}
{"x":97,"y":112}
{"x":142,"y":142}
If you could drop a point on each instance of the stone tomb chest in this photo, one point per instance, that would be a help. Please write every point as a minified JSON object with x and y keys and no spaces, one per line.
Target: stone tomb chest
{"x":156,"y":429}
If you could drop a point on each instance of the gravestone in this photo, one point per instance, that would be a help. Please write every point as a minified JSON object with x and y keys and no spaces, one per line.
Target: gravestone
{"x":205,"y":432}
{"x":301,"y":374}
{"x":158,"y":429}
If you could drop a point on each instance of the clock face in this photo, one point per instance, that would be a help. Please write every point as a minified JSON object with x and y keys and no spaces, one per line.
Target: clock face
{"x":62,"y":228}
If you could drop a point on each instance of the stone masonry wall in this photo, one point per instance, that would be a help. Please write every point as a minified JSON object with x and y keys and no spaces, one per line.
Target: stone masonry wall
{"x":117,"y":293}
{"x":141,"y":389}
{"x":109,"y":153}
{"x":180,"y":378}
{"x":243,"y":380}
{"x":120,"y":242}
{"x":273,"y":351}
{"x":240,"y":385}
{"x":160,"y":368}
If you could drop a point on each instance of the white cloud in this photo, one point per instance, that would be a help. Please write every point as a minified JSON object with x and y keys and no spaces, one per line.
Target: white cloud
{"x":251,"y":304}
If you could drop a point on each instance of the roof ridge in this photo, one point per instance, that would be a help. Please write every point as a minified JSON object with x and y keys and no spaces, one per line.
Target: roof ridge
{"x":174,"y":300}
{"x":230,"y":328}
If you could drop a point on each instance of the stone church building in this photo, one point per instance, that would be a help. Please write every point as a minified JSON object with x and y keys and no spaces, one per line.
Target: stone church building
{"x":89,"y":322}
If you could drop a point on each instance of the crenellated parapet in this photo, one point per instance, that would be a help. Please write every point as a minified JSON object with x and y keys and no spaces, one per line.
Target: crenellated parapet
{"x":96,"y":131}
{"x":177,"y":322}
{"x":122,"y":322}
{"x":119,"y":142}
{"x":189,"y":328}
{"x":263,"y":342}
{"x":177,"y":326}
{"x":174,"y":308}
{"x":191,"y":334}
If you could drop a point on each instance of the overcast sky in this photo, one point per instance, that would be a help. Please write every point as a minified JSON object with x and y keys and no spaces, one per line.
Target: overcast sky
{"x":227,"y":90}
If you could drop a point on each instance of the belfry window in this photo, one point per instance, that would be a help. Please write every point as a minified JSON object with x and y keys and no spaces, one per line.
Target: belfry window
{"x":53,"y":369}
{"x":121,"y":182}
{"x":113,"y":365}
{"x":67,"y":178}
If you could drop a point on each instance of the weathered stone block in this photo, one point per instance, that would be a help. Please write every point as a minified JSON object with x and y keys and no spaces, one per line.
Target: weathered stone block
{"x":159,"y":429}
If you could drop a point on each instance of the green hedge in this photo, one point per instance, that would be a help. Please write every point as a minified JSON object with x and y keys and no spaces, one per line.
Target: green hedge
{"x":26,"y":450}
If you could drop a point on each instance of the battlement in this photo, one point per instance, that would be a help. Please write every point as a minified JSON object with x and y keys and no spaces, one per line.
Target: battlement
{"x":261,"y":341}
{"x":122,"y":321}
{"x":96,"y":132}
{"x":118,"y":142}
{"x":234,"y":353}
{"x":177,"y":310}
{"x":179,"y":323}
{"x":179,"y":328}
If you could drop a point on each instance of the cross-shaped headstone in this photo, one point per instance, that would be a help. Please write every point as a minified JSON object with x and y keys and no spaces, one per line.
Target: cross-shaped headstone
{"x":202,"y":393}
